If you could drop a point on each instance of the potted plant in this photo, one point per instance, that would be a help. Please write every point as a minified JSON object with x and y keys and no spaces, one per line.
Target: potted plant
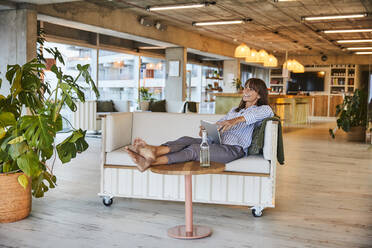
{"x":238,"y":84}
{"x":352,"y":116}
{"x":29,"y":121}
{"x":145,"y":98}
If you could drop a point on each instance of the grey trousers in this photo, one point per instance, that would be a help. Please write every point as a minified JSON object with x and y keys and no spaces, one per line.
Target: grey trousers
{"x":188,"y":149}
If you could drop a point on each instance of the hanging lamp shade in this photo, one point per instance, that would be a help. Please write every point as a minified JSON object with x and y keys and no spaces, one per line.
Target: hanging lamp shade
{"x":298,"y":67}
{"x":271,"y":61}
{"x":150,"y":66}
{"x":294,"y":65}
{"x":159,"y":66}
{"x":242,"y":51}
{"x":262,"y":56}
{"x":253,"y":57}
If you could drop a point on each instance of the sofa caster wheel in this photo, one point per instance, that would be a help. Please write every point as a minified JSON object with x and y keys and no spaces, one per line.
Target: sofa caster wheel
{"x":257,"y":211}
{"x":107,"y":201}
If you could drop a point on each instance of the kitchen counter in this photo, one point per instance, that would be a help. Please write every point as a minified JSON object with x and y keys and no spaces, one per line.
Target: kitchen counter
{"x":292,"y":109}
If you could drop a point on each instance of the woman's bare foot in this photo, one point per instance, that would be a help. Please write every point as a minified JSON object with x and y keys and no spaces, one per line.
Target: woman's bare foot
{"x":145,"y":150}
{"x":142,"y":163}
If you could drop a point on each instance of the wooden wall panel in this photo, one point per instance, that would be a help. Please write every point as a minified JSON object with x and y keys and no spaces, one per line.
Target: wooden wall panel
{"x":334,"y":101}
{"x":320,"y":105}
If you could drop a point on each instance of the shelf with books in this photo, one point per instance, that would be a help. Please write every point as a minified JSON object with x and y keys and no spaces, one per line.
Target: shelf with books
{"x":343,"y":78}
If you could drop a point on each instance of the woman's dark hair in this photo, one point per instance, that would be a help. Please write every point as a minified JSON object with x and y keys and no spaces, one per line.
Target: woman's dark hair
{"x":259,"y":86}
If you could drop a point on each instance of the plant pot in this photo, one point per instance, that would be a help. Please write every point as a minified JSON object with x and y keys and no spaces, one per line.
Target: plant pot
{"x":144,"y":105}
{"x":15,"y":201}
{"x":356,"y":134}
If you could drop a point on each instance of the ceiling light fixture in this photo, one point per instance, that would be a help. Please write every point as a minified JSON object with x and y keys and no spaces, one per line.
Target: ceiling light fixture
{"x":362,"y":53}
{"x":220,"y":22}
{"x":318,"y":18}
{"x":277,"y":1}
{"x":347,"y":31}
{"x":354,"y":41}
{"x":180,"y":6}
{"x":253,"y":57}
{"x":359,"y":48}
{"x":242,"y":51}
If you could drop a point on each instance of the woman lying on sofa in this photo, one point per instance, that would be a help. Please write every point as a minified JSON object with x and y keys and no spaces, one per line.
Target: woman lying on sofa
{"x":236,"y":129}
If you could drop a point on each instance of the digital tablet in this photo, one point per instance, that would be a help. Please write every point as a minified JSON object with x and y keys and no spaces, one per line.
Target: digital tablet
{"x":212,"y":131}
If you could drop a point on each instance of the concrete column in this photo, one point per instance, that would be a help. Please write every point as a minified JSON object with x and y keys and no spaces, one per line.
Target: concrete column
{"x":175,"y":86}
{"x":18,"y":34}
{"x":231,"y":70}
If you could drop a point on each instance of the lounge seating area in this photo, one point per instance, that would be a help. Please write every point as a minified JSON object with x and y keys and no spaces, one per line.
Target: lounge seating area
{"x":166,"y":123}
{"x":119,"y":174}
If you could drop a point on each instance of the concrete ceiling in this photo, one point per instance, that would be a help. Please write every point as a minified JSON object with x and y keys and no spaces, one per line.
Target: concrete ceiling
{"x":276,"y":27}
{"x":43,"y":1}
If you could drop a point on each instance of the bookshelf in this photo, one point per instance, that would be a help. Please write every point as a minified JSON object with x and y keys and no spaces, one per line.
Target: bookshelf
{"x":277,"y":81}
{"x":343,"y":79}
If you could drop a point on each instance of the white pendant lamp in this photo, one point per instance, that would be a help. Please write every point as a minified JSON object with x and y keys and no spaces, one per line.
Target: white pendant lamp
{"x":262,"y":56}
{"x":242,"y":51}
{"x":253,"y":57}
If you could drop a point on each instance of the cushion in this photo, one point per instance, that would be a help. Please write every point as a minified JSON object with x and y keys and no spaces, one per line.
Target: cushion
{"x":157,"y":106}
{"x":119,"y":157}
{"x":105,"y":106}
{"x":252,"y":164}
{"x":254,"y":149}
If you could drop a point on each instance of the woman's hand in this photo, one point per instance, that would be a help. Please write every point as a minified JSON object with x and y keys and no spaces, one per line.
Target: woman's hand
{"x":228,"y":124}
{"x":200,"y":131}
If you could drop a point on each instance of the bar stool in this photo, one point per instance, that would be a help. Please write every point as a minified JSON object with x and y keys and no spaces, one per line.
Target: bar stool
{"x":283,"y":110}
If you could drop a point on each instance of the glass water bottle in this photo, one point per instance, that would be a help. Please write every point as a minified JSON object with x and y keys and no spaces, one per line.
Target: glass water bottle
{"x":204,"y":151}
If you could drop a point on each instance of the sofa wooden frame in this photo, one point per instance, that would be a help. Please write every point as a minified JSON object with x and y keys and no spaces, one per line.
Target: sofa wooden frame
{"x":256,"y":190}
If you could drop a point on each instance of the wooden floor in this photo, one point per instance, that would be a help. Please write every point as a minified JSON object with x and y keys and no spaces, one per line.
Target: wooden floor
{"x":324,"y":199}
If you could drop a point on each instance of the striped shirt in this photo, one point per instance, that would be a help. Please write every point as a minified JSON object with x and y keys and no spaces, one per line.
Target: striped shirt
{"x":241,"y":133}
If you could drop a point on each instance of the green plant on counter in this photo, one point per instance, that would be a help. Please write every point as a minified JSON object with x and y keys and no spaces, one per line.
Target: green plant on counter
{"x":145,"y":95}
{"x":27,"y":141}
{"x":238,"y":84}
{"x":352,"y":112}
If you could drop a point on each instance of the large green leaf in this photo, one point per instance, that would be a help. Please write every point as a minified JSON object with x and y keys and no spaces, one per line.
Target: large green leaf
{"x":38,"y":185}
{"x":66,"y":94}
{"x":39,"y":130}
{"x":29,"y":163}
{"x":7,"y":119}
{"x":84,"y":70}
{"x":73,"y":144}
{"x":23,"y":180}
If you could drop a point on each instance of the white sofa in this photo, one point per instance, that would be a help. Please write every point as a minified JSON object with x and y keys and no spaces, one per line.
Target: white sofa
{"x":86,"y":116}
{"x":248,"y":181}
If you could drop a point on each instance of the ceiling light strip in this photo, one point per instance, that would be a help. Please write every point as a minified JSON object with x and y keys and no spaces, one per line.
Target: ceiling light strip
{"x":347,"y":31}
{"x":354,"y":41}
{"x":361,"y":53}
{"x":217,"y":23}
{"x":316,"y":18}
{"x":359,"y":48}
{"x":177,"y":6}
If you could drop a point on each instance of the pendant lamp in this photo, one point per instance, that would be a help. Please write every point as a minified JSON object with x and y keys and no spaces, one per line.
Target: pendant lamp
{"x":242,"y":51}
{"x":253,"y":57}
{"x":262,"y":56}
{"x":271,"y":61}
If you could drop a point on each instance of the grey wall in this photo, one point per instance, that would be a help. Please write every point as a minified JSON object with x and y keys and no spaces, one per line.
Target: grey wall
{"x":175,"y":87}
{"x":18,"y":33}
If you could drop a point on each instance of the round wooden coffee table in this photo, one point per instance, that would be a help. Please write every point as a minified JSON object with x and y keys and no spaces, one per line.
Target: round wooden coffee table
{"x":188,"y":231}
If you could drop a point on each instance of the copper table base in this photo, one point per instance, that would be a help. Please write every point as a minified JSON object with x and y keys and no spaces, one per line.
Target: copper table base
{"x":179,"y":232}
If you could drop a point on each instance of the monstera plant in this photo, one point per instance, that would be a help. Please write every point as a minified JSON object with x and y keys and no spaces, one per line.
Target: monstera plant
{"x":30,"y":118}
{"x":352,"y":114}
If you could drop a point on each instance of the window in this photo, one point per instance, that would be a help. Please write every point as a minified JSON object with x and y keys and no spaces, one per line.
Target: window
{"x":118,"y":76}
{"x":153,"y":76}
{"x":72,"y":55}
